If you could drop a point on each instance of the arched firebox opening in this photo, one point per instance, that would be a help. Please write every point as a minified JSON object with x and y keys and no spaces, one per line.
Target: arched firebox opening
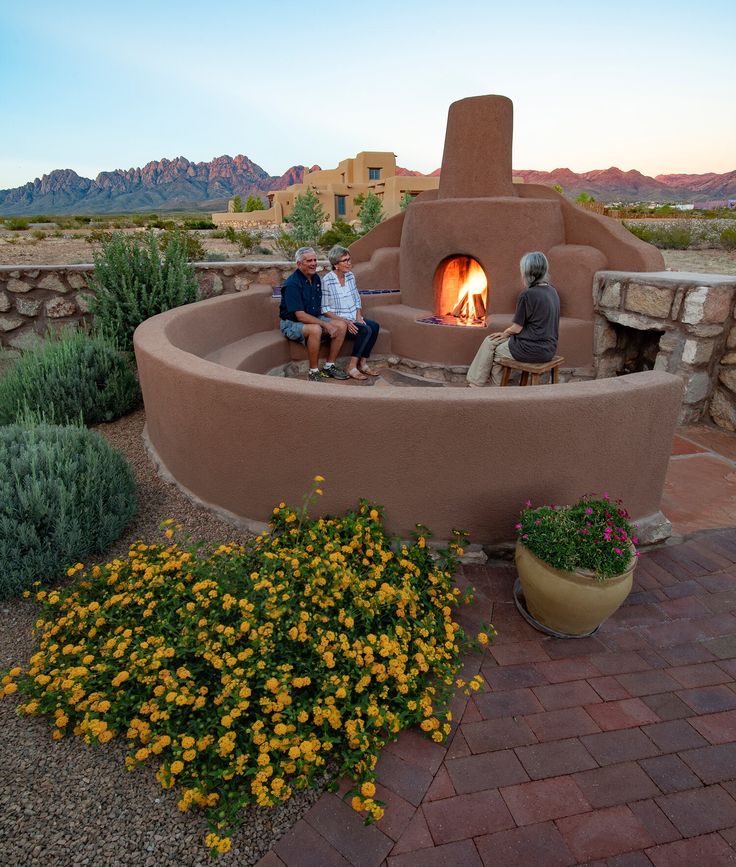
{"x":461,"y":291}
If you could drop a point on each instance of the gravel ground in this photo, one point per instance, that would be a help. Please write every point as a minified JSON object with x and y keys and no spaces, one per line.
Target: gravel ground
{"x":65,"y":803}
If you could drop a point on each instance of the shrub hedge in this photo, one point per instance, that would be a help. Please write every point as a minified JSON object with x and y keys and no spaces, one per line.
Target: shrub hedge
{"x":65,"y":378}
{"x":65,"y":493}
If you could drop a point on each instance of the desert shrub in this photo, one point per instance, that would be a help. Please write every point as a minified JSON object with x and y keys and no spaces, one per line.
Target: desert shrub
{"x":17,"y":224}
{"x":286,"y":244}
{"x":65,"y":378}
{"x":216,"y":257}
{"x":340,"y":233}
{"x":218,"y":233}
{"x":728,"y":238}
{"x":198,"y":224}
{"x":195,"y":251}
{"x":133,"y":281}
{"x":65,"y":493}
{"x":38,"y":234}
{"x":245,"y":241}
{"x":263,"y":251}
{"x":98,"y":236}
{"x":677,"y":235}
{"x":240,"y":671}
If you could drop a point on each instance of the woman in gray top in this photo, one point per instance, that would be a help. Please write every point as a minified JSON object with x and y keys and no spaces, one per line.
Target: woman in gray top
{"x":532,"y":335}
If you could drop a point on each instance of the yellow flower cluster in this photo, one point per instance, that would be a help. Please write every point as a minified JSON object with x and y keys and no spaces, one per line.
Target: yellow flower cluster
{"x":241,"y":671}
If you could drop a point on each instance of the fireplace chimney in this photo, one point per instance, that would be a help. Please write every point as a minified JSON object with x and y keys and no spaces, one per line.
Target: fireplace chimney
{"x":476,"y":162}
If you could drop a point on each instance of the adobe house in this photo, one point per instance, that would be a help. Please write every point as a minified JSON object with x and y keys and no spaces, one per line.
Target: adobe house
{"x":336,"y":189}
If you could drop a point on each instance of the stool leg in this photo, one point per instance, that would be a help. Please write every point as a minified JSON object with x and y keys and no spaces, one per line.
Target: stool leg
{"x":535,"y":379}
{"x":553,"y":372}
{"x":505,"y":376}
{"x":524,"y":377}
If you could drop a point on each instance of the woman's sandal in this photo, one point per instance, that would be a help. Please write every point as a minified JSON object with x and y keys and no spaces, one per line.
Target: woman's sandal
{"x":354,"y":373}
{"x":368,"y":372}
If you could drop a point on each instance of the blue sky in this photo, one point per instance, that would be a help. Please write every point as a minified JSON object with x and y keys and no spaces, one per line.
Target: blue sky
{"x":98,"y":86}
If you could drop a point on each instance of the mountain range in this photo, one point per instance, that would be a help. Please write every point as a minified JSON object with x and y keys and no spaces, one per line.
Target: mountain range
{"x":182,"y":185}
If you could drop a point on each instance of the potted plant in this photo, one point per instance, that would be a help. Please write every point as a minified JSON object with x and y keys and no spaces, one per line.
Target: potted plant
{"x":575,"y":564}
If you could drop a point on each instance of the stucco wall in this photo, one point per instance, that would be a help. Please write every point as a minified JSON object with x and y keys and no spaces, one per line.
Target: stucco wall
{"x":450,"y":458}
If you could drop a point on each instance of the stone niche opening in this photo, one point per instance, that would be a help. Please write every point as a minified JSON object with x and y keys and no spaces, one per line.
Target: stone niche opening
{"x":461,"y":291}
{"x":636,"y":349}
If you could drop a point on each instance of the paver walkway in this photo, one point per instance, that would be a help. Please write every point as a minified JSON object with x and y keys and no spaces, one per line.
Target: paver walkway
{"x":618,"y":749}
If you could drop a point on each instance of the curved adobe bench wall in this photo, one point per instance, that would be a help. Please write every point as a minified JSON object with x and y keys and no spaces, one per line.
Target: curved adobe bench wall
{"x":447,"y":457}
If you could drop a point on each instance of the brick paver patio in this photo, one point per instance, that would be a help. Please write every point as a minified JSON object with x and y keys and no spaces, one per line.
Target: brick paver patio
{"x":619,"y":749}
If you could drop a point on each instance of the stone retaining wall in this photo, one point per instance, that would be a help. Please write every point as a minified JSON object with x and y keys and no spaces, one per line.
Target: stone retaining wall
{"x":36,"y":298}
{"x":691,"y":321}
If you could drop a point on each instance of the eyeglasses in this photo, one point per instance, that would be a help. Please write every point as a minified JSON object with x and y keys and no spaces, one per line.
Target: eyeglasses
{"x":345,"y":259}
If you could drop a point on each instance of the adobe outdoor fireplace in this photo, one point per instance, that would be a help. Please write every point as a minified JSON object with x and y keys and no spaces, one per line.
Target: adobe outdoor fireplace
{"x":454,"y":253}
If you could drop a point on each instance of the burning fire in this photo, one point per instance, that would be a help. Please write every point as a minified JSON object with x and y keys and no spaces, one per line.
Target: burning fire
{"x":471,"y":286}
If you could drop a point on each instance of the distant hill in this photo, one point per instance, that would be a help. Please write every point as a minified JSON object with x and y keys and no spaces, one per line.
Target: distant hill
{"x":176,"y":184}
{"x":614,"y":185}
{"x":180,"y":185}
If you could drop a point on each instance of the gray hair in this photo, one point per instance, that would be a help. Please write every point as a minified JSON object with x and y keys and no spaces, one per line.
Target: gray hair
{"x":534,"y":268}
{"x":336,"y":253}
{"x":302,"y":252}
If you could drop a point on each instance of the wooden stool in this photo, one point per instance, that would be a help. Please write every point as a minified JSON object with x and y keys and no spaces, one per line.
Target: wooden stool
{"x":530,"y":373}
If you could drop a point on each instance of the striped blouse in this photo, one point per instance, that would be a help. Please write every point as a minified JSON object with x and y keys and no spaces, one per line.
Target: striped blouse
{"x":344,"y":300}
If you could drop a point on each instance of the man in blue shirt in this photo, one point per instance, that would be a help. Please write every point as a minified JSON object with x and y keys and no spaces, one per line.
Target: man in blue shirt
{"x":301,"y":316}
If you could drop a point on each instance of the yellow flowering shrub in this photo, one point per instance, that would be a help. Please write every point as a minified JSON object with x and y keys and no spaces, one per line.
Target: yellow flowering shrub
{"x":240,"y":671}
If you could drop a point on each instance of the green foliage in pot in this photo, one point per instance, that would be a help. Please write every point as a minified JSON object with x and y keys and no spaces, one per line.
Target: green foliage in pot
{"x":594,"y":534}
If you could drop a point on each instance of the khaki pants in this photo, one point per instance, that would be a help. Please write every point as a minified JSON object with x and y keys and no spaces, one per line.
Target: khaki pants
{"x":485,"y":363}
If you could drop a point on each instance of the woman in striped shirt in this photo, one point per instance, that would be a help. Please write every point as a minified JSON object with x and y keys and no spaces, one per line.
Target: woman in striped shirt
{"x":340,"y":300}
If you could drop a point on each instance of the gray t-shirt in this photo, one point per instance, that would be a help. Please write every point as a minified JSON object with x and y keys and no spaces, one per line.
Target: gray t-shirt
{"x":538,"y":312}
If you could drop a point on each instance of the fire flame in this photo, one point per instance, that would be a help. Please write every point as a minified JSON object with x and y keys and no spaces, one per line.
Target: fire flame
{"x":472,"y":291}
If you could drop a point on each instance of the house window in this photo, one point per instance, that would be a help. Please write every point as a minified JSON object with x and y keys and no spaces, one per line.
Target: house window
{"x":340,"y":206}
{"x":374,"y":174}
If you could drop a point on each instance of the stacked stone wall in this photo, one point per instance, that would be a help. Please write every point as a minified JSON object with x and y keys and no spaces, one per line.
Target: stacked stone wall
{"x":37,"y":299}
{"x":694,"y":314}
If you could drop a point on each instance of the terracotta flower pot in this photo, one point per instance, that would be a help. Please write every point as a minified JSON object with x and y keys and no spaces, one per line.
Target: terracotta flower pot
{"x":572,"y":603}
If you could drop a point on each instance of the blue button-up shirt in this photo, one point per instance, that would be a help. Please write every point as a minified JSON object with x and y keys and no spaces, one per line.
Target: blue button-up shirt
{"x":298,"y":293}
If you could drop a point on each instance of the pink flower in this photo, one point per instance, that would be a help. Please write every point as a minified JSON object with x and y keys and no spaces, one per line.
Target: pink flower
{"x":528,"y":504}
{"x":518,"y":527}
{"x":617,"y":551}
{"x":588,"y":511}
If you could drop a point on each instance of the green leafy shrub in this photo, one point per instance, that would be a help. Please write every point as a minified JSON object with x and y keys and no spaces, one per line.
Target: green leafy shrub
{"x":240,"y":671}
{"x":195,"y":251}
{"x":246,"y":241}
{"x":237,"y":205}
{"x":65,"y":378}
{"x":65,"y":493}
{"x":340,"y":233}
{"x":17,"y":224}
{"x":286,"y":244}
{"x":728,"y":238}
{"x":198,"y":224}
{"x":593,"y":534}
{"x":133,"y":282}
{"x":218,"y":233}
